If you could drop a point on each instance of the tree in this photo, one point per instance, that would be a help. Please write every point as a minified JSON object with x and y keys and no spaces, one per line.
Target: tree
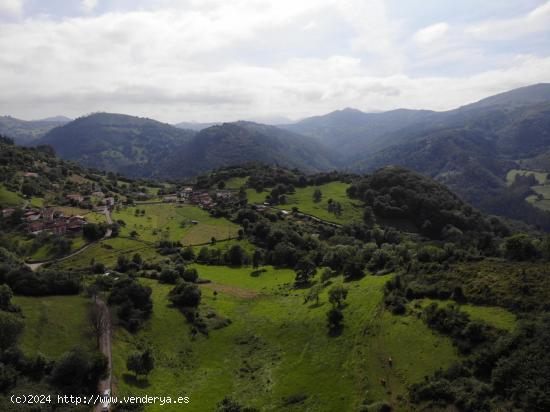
{"x":313,"y":294}
{"x":353,"y":268}
{"x":305,"y":269}
{"x":79,"y":371}
{"x":317,"y":195}
{"x":520,"y":247}
{"x":5,"y":297}
{"x":242,"y":194}
{"x":99,"y":321}
{"x":190,"y":275}
{"x":185,"y":295}
{"x":133,"y":301}
{"x":122,"y":263}
{"x":256,"y":258}
{"x":93,"y":231}
{"x":336,"y":295}
{"x":137,"y":259}
{"x":235,"y":255}
{"x":334,"y":319}
{"x":141,"y":363}
{"x":11,"y":327}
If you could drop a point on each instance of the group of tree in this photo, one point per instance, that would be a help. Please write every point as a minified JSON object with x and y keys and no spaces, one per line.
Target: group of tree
{"x":132,"y":301}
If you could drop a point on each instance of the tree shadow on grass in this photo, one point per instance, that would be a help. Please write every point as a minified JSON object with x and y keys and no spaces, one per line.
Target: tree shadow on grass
{"x":336,"y":331}
{"x":137,"y":382}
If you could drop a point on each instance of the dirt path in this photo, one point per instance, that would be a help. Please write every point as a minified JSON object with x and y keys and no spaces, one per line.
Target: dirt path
{"x":105,"y":348}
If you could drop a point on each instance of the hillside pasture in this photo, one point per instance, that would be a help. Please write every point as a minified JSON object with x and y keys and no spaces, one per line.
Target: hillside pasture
{"x":494,"y":316}
{"x":542,"y":177}
{"x":107,"y":252}
{"x":303,"y":199}
{"x":174,"y":222}
{"x":9,"y":199}
{"x":276,"y":354}
{"x":54,"y":324}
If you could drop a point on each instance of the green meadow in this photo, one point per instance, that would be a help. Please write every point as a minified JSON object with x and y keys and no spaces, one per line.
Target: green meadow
{"x":495,"y":316}
{"x":303,"y":200}
{"x":9,"y":199}
{"x":541,"y":177}
{"x":54,"y":324}
{"x":276,"y":354}
{"x":174,"y":222}
{"x":235,"y":183}
{"x":107,"y":252}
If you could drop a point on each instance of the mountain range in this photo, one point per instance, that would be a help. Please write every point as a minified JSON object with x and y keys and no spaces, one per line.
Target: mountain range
{"x":26,"y":132}
{"x":470,"y":148}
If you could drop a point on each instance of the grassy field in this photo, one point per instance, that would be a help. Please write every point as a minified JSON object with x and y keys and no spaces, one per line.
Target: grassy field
{"x":174,"y":222}
{"x":542,"y":189}
{"x":540,"y":176}
{"x":303,"y":200}
{"x":37,"y":202}
{"x":46,"y":252}
{"x":235,"y":183}
{"x":107,"y":252}
{"x":54,"y":324}
{"x":226,"y":244}
{"x":9,"y":199}
{"x":497,"y":317}
{"x":277,"y":350}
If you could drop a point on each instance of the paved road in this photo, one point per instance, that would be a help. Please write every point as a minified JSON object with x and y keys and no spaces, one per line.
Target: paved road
{"x":105,"y":348}
{"x":108,"y":233}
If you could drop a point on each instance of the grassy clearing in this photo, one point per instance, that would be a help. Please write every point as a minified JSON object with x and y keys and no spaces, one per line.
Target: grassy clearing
{"x":174,"y":222}
{"x":54,"y":324}
{"x":226,"y":244}
{"x":540,"y":176}
{"x":277,"y":348}
{"x":9,"y":199}
{"x":497,"y":317}
{"x":235,"y":183}
{"x":303,"y":200}
{"x":107,"y":252}
{"x":543,"y":190}
{"x":37,"y":202}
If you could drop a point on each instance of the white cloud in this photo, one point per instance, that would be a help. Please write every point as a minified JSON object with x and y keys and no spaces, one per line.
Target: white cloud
{"x":218,"y":60}
{"x":89,"y":5}
{"x":11,"y":7}
{"x":431,"y":33}
{"x":535,"y":21}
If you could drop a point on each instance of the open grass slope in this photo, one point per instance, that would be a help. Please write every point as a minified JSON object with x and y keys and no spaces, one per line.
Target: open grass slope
{"x":47,"y":251}
{"x":54,"y":324}
{"x":107,"y":252}
{"x":174,"y":222}
{"x":303,"y":200}
{"x":542,"y":177}
{"x":235,"y":183}
{"x":9,"y":199}
{"x":495,"y":316}
{"x":276,"y":354}
{"x":541,"y":198}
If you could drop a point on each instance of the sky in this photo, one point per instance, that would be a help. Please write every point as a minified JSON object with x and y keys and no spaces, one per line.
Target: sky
{"x":264,"y":60}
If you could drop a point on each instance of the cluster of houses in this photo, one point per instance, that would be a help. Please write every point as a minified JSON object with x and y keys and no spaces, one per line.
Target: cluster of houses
{"x":77,"y":198}
{"x":48,"y":219}
{"x":200,"y":198}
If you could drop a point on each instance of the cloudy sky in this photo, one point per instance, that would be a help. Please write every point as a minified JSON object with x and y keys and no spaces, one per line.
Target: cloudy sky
{"x":213,"y":60}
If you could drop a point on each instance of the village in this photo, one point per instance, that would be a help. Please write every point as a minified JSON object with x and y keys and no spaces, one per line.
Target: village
{"x":53,"y":220}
